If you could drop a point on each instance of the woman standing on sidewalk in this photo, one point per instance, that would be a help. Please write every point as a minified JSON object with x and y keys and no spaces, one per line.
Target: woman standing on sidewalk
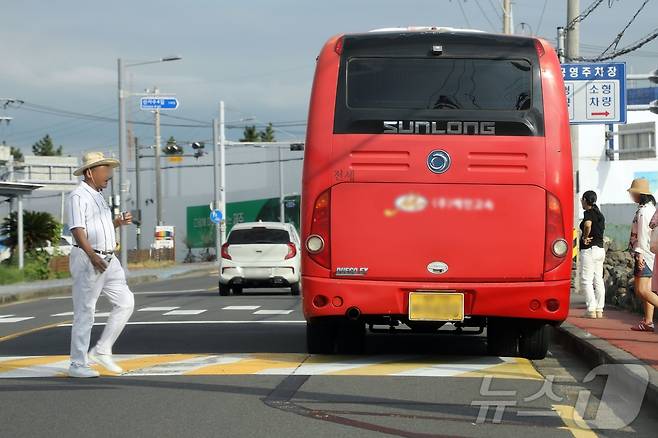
{"x":592,"y":255}
{"x":639,"y":245}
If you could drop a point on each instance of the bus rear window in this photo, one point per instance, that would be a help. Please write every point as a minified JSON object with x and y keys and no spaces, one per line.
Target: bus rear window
{"x":439,"y":84}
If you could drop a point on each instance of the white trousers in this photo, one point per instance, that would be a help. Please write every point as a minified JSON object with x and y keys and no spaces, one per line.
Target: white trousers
{"x":591,"y":277}
{"x":87,"y":287}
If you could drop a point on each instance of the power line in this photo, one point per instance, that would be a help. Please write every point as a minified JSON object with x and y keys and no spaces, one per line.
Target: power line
{"x":495,"y":10}
{"x":485,"y":15}
{"x":619,"y":36}
{"x":541,"y":17}
{"x":461,"y":7}
{"x":585,"y":14}
{"x":636,"y":45}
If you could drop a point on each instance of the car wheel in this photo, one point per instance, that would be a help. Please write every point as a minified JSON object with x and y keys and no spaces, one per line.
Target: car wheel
{"x":320,"y":335}
{"x":533,"y":343}
{"x":294,"y":289}
{"x":237,"y":290}
{"x":224,"y":290}
{"x":502,"y":337}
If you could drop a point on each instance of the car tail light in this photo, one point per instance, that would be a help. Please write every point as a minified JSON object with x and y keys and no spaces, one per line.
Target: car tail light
{"x":225,"y":254}
{"x":556,"y":248}
{"x":292,"y":251}
{"x":338,"y":48}
{"x":320,"y":229}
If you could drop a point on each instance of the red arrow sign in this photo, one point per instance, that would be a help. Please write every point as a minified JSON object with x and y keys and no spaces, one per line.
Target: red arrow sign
{"x":604,"y":113}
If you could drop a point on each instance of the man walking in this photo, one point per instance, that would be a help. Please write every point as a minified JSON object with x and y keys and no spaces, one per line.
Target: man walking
{"x":94,"y":268}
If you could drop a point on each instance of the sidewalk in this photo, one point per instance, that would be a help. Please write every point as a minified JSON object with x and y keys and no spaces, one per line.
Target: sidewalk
{"x":611,"y":341}
{"x":38,"y":289}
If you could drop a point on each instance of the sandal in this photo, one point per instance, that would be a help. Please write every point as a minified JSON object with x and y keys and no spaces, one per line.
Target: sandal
{"x":643,"y":327}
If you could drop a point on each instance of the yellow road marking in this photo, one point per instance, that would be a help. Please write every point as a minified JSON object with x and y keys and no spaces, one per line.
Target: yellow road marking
{"x":253,"y":364}
{"x":36,"y":329}
{"x":14,"y":364}
{"x":516,"y":369}
{"x":569,"y":416}
{"x":150,"y":361}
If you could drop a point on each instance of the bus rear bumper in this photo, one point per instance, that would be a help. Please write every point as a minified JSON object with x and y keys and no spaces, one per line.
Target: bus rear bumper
{"x":544,"y":300}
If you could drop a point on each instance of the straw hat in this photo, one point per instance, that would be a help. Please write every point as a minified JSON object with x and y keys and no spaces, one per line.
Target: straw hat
{"x":93,"y":159}
{"x":641,"y":186}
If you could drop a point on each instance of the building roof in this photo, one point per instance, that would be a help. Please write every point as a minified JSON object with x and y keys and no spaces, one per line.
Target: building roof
{"x":12,"y":189}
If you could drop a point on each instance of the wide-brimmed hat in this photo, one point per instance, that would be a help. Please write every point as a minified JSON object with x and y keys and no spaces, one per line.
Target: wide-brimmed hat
{"x":641,"y":186}
{"x":93,"y":159}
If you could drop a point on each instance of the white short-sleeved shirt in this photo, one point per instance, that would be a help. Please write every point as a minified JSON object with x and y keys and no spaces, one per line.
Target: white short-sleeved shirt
{"x":88,"y":209}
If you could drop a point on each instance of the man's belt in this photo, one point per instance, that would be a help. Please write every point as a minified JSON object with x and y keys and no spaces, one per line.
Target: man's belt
{"x":97,"y":251}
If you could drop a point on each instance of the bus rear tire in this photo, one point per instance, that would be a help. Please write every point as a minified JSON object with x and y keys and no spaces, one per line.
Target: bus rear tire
{"x":320,"y":336}
{"x":502,"y":337}
{"x":533,"y":343}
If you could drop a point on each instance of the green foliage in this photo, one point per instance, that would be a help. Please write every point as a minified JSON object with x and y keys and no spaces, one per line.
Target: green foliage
{"x":38,"y":228}
{"x":268,"y":133}
{"x":46,"y":147}
{"x":36,"y":268}
{"x":250,"y":134}
{"x":16,"y":153}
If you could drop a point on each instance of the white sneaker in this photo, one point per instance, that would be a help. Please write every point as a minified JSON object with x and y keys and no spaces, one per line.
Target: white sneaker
{"x":82,"y":372}
{"x":104,"y":360}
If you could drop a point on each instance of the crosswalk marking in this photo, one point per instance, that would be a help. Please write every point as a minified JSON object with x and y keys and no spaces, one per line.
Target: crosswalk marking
{"x":157,"y":309}
{"x":284,"y":364}
{"x":97,"y":314}
{"x":240,"y":307}
{"x":6,"y":319}
{"x":185,"y":312}
{"x":273,"y":312}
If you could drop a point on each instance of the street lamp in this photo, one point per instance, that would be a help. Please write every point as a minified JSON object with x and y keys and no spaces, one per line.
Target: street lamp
{"x":123,"y":147}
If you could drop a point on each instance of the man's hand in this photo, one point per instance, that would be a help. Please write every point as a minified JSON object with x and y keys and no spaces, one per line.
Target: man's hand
{"x":97,"y":262}
{"x":640,"y":260}
{"x":588,"y":240}
{"x":127,"y":219}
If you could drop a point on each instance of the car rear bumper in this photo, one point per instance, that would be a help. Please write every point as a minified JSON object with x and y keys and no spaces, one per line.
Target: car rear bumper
{"x":259,"y":275}
{"x":378,"y":298}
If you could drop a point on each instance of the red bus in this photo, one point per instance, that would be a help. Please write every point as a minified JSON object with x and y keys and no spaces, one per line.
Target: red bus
{"x":437,"y":188}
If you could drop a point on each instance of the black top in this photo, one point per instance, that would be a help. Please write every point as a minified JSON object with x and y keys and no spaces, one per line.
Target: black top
{"x":598,"y":227}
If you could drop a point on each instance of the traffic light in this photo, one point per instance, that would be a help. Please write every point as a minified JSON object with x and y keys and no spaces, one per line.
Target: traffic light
{"x":198,"y":147}
{"x":173,"y":149}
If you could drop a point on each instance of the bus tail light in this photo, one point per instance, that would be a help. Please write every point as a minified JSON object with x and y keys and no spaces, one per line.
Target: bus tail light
{"x":317,"y":243}
{"x":540,"y":48}
{"x":338,"y":48}
{"x":556,"y":246}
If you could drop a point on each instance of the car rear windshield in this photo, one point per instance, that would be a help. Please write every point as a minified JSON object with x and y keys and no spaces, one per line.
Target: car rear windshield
{"x":445,"y":84}
{"x":258,"y":235}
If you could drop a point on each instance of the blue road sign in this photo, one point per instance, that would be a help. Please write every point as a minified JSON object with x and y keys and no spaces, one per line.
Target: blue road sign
{"x":216,"y":216}
{"x":162,"y":103}
{"x":596,"y":92}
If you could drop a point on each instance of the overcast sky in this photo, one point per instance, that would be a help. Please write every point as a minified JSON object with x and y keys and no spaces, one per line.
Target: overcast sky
{"x":256,"y":55}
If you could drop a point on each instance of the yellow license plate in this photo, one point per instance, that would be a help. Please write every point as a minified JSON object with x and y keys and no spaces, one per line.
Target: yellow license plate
{"x":436,"y":306}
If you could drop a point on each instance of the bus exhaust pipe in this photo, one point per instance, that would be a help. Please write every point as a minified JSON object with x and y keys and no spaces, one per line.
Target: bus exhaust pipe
{"x":353,"y":313}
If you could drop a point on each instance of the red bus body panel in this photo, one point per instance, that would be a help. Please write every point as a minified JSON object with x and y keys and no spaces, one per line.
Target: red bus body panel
{"x":486,"y":219}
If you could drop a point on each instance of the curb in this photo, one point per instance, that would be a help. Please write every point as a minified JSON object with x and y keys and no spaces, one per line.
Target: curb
{"x":596,"y":351}
{"x":66,"y":289}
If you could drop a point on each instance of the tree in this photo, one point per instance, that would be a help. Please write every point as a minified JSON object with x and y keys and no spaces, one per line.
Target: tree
{"x":38,"y":228}
{"x":267,"y":134}
{"x":250,"y":134}
{"x":45,"y":147}
{"x":16,"y":153}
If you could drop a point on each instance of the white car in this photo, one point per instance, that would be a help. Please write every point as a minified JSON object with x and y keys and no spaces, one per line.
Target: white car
{"x":260,"y":254}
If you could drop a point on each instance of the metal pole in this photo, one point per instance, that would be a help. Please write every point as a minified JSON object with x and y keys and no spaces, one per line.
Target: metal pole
{"x":572,"y":52}
{"x":282,"y":207}
{"x":222,"y":165}
{"x":158,"y":171}
{"x":507,"y":16}
{"x":215,"y":186}
{"x":138,"y":198}
{"x":123,"y":165}
{"x":560,"y":43}
{"x":19,"y":213}
{"x":61,"y":208}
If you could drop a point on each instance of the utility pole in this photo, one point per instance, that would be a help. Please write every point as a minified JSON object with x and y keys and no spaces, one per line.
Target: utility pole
{"x":573,"y":52}
{"x":215,"y":187}
{"x":222,"y":165}
{"x":158,"y":171}
{"x":507,"y":16}
{"x":282,"y":206}
{"x":123,"y":164}
{"x":138,"y":197}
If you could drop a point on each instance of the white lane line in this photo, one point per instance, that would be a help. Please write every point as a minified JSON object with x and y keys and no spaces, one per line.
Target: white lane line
{"x":186,"y":366}
{"x":184,"y":312}
{"x":6,"y":320}
{"x":157,"y":309}
{"x":170,"y":292}
{"x":240,"y":307}
{"x":200,"y":322}
{"x":273,"y":312}
{"x":63,"y":314}
{"x":59,"y":298}
{"x":6,"y":316}
{"x":97,"y":314}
